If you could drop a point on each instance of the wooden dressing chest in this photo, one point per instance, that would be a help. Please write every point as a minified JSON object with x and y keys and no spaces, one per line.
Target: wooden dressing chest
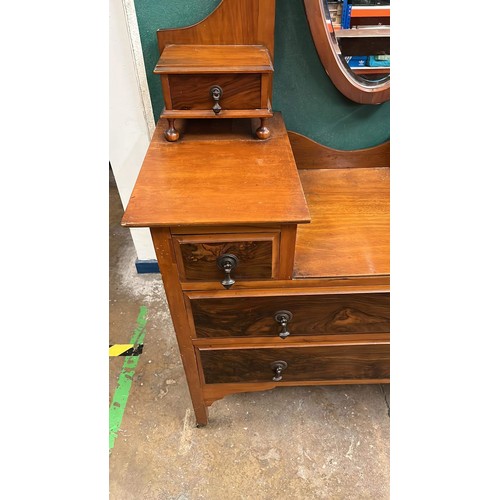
{"x":275,"y":275}
{"x":274,"y":253}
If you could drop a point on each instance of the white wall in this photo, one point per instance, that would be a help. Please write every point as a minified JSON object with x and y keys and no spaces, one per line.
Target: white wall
{"x":131,"y":121}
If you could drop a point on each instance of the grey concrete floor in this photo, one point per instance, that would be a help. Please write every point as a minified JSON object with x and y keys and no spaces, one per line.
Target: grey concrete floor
{"x":299,"y":443}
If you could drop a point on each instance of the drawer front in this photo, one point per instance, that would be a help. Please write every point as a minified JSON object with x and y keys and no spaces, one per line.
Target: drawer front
{"x":256,"y":316}
{"x":343,"y":362}
{"x":257,"y":256}
{"x":239,"y":91}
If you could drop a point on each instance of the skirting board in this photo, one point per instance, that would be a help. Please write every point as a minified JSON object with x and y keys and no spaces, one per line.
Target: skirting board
{"x":147,"y":266}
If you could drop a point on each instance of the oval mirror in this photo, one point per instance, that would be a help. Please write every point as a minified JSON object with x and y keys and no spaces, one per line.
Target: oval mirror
{"x":352,"y":38}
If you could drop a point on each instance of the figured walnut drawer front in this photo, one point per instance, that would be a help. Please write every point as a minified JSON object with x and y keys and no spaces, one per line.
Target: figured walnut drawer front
{"x":343,"y":362}
{"x":255,"y":316}
{"x":239,"y":91}
{"x":257,"y":255}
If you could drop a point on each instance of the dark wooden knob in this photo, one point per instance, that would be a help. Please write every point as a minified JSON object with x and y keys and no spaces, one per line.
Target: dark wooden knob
{"x":283,"y":318}
{"x":278,"y":367}
{"x":216,"y":93}
{"x":227,"y":262}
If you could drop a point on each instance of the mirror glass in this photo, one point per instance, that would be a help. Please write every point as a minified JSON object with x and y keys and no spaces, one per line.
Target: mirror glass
{"x":352,"y":38}
{"x":361,"y":30}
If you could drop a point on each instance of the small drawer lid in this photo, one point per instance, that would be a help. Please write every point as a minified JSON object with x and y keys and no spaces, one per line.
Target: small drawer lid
{"x":195,"y":59}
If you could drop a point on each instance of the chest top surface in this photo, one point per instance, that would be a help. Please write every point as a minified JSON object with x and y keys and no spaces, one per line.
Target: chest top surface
{"x":222,"y":178}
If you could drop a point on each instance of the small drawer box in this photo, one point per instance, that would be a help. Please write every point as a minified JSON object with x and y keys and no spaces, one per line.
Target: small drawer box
{"x":215,"y":81}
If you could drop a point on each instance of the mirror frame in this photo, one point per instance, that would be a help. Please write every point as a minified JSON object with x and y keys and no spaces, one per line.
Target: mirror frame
{"x":331,"y":57}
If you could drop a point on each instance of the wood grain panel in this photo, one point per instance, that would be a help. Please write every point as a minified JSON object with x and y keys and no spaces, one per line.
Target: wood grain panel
{"x":350,"y":230}
{"x":310,"y":154}
{"x":240,"y":91}
{"x":197,"y":255}
{"x":233,"y":22}
{"x":304,"y":363}
{"x":312,"y":315}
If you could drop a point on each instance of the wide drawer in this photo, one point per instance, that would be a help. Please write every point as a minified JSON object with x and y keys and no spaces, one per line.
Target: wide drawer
{"x":239,"y":91}
{"x":266,"y":315}
{"x":257,"y":255}
{"x":295,"y":364}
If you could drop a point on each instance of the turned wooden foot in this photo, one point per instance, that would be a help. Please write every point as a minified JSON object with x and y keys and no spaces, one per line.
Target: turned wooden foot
{"x":263,"y":132}
{"x":171,"y":134}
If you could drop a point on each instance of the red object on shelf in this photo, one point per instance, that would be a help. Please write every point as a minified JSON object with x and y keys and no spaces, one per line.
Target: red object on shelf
{"x":370,"y":12}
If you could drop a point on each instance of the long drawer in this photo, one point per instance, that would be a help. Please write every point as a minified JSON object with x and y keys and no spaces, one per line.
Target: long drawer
{"x":288,"y":315}
{"x":295,"y":364}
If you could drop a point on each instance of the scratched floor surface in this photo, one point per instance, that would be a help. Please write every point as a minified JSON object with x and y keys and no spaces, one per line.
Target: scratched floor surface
{"x":297,"y":443}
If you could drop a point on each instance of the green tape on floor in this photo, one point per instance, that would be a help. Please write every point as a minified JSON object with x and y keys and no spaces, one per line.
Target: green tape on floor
{"x":120,"y":397}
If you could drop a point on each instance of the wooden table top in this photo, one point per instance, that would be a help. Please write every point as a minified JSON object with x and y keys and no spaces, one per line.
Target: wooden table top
{"x":349,"y":231}
{"x":218,"y":173}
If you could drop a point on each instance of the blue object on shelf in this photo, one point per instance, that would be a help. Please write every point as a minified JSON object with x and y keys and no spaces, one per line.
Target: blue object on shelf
{"x":357,"y":61}
{"x":374,"y":62}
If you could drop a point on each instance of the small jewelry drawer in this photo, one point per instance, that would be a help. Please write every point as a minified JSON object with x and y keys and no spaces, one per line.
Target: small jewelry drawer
{"x":216,"y":81}
{"x":222,"y":257}
{"x":285,"y":315}
{"x":295,"y":364}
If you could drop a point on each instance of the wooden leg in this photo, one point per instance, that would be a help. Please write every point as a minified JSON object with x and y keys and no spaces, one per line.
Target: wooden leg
{"x":171,"y":134}
{"x":162,"y":241}
{"x":201,"y":415}
{"x":263,"y":132}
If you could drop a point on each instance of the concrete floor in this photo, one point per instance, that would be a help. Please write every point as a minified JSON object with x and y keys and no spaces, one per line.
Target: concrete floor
{"x":297,"y":443}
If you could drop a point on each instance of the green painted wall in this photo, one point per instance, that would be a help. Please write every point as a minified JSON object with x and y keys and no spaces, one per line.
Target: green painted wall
{"x":302,"y":91}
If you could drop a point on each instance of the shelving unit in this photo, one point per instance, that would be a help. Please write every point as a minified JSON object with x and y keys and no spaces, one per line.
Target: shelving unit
{"x":361,"y":31}
{"x":338,"y":53}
